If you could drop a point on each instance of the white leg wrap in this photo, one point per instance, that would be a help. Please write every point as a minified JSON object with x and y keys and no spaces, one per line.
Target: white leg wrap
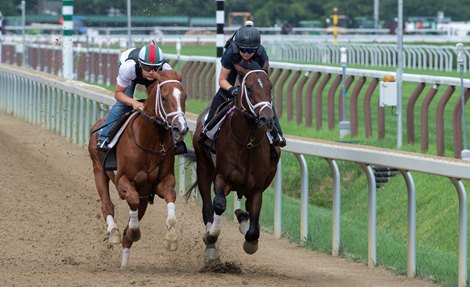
{"x":126,"y":252}
{"x":215,"y":228}
{"x":111,"y":223}
{"x":238,"y":203}
{"x":133,"y":219}
{"x":171,"y":209}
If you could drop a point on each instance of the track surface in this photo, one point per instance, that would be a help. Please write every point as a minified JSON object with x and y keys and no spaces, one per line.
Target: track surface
{"x":52,"y":232}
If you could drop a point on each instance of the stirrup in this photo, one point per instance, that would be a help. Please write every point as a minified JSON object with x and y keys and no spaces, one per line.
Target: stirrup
{"x":102,"y":145}
{"x":279,"y":140}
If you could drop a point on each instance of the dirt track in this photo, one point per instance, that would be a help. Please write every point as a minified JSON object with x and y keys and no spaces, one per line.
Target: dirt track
{"x":52,"y":232}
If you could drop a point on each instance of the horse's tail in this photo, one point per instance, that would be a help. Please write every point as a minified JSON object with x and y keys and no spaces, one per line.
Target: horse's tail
{"x":191,"y":156}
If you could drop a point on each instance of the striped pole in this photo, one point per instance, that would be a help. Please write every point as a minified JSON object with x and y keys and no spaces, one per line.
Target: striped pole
{"x":1,"y":36}
{"x":220,"y":19}
{"x":67,"y":41}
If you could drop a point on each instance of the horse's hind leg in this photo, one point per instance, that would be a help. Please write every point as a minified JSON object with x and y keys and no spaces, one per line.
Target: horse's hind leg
{"x":242,"y":216}
{"x":107,"y":206}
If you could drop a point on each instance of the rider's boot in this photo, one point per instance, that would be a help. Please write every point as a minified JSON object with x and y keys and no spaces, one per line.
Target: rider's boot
{"x":102,"y":145}
{"x":180,"y":148}
{"x":277,"y":134}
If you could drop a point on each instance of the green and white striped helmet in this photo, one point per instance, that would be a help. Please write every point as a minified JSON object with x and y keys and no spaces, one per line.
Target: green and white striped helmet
{"x":151,"y":55}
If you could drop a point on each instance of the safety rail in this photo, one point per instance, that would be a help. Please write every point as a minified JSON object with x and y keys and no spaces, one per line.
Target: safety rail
{"x":69,"y":108}
{"x":307,"y":91}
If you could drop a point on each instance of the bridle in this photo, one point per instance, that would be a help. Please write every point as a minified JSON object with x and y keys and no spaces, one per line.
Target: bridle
{"x":251,"y":108}
{"x":161,"y":117}
{"x":160,"y":109}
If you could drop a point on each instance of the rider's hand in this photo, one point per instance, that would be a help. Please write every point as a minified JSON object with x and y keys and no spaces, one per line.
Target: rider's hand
{"x":138,"y":105}
{"x":234,"y":90}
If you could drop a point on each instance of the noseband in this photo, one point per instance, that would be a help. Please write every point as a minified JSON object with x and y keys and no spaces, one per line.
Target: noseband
{"x":251,"y":108}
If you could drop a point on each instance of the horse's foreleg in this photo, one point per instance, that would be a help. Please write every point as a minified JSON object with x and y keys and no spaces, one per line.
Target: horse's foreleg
{"x":130,"y":234}
{"x":171,"y":238}
{"x":220,"y":204}
{"x":126,"y":252}
{"x":132,"y":231}
{"x":254,"y":203}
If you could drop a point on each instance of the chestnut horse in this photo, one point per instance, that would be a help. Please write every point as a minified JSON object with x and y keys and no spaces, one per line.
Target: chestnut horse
{"x":244,"y":160}
{"x":145,"y":157}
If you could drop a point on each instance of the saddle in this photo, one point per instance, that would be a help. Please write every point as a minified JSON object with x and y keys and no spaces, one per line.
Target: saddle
{"x":108,"y":159}
{"x":211,"y":128}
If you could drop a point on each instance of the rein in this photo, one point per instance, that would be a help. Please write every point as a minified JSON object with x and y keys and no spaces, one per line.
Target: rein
{"x":159,"y":120}
{"x":250,"y":144}
{"x":250,"y":112}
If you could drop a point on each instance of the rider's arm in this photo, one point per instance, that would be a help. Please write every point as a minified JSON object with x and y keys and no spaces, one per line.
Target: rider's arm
{"x":120,"y":95}
{"x":223,"y":82}
{"x":123,"y":80}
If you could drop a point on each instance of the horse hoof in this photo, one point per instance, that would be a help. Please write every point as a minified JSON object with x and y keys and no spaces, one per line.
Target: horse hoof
{"x":133,"y":234}
{"x":250,"y":247}
{"x":171,"y":240}
{"x":171,"y":245}
{"x":124,"y":267}
{"x":211,"y":254}
{"x":208,"y":239}
{"x":114,"y":237}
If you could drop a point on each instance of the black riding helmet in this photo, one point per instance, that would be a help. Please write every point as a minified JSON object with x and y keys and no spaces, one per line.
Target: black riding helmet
{"x":248,"y":37}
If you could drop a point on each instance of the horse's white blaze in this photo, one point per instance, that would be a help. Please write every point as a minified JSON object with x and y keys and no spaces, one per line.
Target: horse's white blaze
{"x":215,"y":228}
{"x":260,"y":83}
{"x":133,"y":219}
{"x":177,"y":95}
{"x":111,"y":223}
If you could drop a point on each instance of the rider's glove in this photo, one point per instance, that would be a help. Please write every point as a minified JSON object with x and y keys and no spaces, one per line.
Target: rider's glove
{"x":234,"y":91}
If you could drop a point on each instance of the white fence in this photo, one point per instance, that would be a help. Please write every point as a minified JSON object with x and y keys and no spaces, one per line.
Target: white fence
{"x":69,"y":108}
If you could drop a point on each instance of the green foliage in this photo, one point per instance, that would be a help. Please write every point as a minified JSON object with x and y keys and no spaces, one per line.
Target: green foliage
{"x":265,"y":12}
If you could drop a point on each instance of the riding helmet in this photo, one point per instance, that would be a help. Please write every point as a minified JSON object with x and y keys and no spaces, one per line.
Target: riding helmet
{"x":248,"y":37}
{"x":151,"y":55}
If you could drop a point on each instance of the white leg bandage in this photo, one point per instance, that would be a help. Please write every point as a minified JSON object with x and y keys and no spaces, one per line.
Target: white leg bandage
{"x":171,"y":209}
{"x":215,"y":228}
{"x":133,"y":219}
{"x":111,"y":223}
{"x":125,"y":257}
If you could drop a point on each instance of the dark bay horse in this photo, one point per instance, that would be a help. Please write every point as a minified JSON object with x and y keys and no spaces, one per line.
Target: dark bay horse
{"x":145,"y":157}
{"x":244,"y":162}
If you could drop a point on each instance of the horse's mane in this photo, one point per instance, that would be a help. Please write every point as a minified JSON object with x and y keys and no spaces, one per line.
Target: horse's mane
{"x":250,"y":65}
{"x":167,"y":75}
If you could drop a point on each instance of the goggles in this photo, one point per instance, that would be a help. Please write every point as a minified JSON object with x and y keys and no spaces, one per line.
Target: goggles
{"x":149,"y":68}
{"x":248,"y":50}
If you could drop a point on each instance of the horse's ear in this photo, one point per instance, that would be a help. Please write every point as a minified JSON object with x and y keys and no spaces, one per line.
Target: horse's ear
{"x":179,"y":76}
{"x":158,"y":77}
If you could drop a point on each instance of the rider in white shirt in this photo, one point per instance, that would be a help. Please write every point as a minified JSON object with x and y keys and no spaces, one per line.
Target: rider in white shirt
{"x":137,"y":66}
